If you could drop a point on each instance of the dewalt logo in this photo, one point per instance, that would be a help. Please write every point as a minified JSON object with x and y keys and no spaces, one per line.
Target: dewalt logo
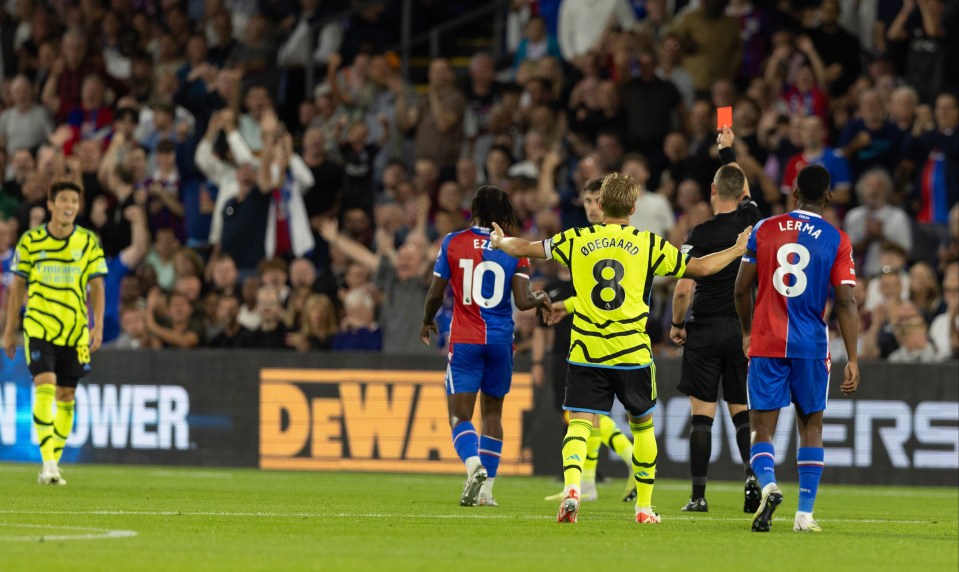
{"x":373,"y":420}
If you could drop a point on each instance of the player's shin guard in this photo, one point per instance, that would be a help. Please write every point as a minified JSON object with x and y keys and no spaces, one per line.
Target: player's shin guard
{"x":762,"y":458}
{"x":593,"y":443}
{"x":62,"y":425}
{"x":700,"y":448}
{"x":741,"y":422}
{"x":645,"y":452}
{"x":574,"y":451}
{"x":466,"y":443}
{"x":43,"y":418}
{"x":810,"y":462}
{"x":615,"y":440}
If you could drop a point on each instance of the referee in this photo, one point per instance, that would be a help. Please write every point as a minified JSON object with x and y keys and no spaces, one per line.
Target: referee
{"x":53,"y":265}
{"x":712,"y":338}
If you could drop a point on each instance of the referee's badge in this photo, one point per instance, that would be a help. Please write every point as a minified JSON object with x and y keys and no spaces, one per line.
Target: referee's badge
{"x":685,"y":249}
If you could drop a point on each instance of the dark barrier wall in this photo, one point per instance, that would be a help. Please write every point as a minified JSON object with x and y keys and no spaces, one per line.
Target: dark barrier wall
{"x":379,"y":412}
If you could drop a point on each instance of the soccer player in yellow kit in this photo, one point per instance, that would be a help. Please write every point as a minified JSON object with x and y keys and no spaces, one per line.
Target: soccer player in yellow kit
{"x":53,"y":265}
{"x":613,"y":265}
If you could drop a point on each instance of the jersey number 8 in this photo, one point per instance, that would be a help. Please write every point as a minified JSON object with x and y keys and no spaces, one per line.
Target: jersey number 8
{"x":795,"y":269}
{"x":608,"y":274}
{"x":473,"y":282}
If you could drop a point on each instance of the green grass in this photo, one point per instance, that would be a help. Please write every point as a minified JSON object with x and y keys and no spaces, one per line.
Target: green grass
{"x":220,"y":519}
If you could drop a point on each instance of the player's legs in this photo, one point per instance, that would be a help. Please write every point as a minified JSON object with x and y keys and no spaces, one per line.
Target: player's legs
{"x":636,"y":389}
{"x":63,"y":420}
{"x":768,"y":391}
{"x":497,"y":379}
{"x":45,"y":391}
{"x":810,"y":384}
{"x":491,"y":444}
{"x":463,"y":377}
{"x":593,"y":444}
{"x":613,"y":438}
{"x":588,"y":394}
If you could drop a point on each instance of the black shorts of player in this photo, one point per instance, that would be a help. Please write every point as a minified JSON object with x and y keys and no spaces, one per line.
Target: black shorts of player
{"x":714,"y":352}
{"x":591,"y":389}
{"x":67,"y":363}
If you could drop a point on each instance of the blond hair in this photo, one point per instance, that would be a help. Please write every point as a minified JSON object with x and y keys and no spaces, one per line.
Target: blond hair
{"x":618,"y":195}
{"x":329,"y":325}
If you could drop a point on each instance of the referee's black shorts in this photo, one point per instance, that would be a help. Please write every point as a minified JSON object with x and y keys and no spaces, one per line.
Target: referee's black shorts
{"x":714,"y":352}
{"x":67,"y":363}
{"x":591,"y":389}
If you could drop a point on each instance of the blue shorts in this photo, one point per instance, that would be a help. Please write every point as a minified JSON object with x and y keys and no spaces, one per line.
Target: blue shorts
{"x":774,"y":383}
{"x":480,"y":367}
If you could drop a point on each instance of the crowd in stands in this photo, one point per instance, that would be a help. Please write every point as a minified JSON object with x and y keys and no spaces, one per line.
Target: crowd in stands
{"x":240,"y":209}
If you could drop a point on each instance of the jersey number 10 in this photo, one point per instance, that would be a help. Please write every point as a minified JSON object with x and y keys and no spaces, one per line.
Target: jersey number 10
{"x":473,"y":282}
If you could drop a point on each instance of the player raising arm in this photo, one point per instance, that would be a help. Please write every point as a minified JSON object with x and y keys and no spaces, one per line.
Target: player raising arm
{"x":610,"y":355}
{"x":796,"y":257}
{"x":481,"y":335}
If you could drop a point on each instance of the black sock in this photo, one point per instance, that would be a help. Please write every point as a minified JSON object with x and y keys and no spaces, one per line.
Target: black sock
{"x":700,"y":447}
{"x":741,"y":422}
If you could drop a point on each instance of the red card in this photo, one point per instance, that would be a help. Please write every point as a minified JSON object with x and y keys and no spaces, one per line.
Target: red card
{"x":724,"y":116}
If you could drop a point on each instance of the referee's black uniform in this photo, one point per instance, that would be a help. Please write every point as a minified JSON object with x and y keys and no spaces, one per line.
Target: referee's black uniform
{"x":714,"y":347}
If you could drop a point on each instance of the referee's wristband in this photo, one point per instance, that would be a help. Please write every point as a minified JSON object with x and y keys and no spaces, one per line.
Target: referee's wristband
{"x":680,"y":325}
{"x":727,"y":155}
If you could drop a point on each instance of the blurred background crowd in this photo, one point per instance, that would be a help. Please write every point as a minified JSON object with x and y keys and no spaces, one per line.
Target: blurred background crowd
{"x":261,"y":181}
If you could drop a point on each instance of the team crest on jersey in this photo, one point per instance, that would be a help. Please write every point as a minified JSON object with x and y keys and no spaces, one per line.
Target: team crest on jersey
{"x":42,"y":255}
{"x":76,"y":253}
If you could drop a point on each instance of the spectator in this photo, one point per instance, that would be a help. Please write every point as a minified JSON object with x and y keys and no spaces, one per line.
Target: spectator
{"x":536,"y":43}
{"x":902,"y":108}
{"x":876,"y":221}
{"x":92,"y":119}
{"x":249,"y":318}
{"x":161,"y":258}
{"x":245,"y":218}
{"x":175,"y":329}
{"x":23,"y":125}
{"x":221,"y":168}
{"x":358,"y":331}
{"x":815,"y":152}
{"x":713,"y":46}
{"x":653,"y":212}
{"x":400,"y":275}
{"x":924,"y":291}
{"x":284,"y":175}
{"x":120,"y":267}
{"x":871,"y":141}
{"x":754,"y":27}
{"x":271,"y":334}
{"x":437,"y":117}
{"x":163,"y":192}
{"x":840,"y":49}
{"x":653,"y":105}
{"x":133,"y":330}
{"x":318,"y":325}
{"x":250,"y":124}
{"x":914,"y":344}
{"x":62,"y":90}
{"x":227,"y":331}
{"x":892,"y":262}
{"x":323,"y":199}
{"x":933,"y":148}
{"x":926,"y":48}
{"x":944,"y":330}
{"x":803,"y":90}
{"x":670,"y":54}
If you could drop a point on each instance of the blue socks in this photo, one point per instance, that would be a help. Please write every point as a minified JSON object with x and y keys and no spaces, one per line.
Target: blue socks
{"x":810,"y":463}
{"x":762,"y":458}
{"x":465,"y":440}
{"x":489,"y":453}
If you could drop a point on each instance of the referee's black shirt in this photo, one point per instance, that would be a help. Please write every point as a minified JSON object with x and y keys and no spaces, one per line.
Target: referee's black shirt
{"x":714,"y":294}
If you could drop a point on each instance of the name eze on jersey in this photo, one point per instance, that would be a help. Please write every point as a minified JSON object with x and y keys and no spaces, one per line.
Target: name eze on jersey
{"x":481,"y":244}
{"x":606,"y":242}
{"x":800,"y":226}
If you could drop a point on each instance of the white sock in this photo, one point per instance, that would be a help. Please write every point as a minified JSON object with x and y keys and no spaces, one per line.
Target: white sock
{"x":487,"y":489}
{"x":471,"y":464}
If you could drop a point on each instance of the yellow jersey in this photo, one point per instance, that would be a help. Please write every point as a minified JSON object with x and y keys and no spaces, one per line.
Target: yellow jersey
{"x":57,"y":272}
{"x":613,"y":267}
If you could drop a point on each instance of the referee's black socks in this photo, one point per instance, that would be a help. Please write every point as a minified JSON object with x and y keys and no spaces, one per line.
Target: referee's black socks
{"x":700,"y":448}
{"x":741,"y":422}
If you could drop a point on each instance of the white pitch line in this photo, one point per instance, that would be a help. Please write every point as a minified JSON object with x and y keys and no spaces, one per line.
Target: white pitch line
{"x":464,"y":516}
{"x":97,"y":534}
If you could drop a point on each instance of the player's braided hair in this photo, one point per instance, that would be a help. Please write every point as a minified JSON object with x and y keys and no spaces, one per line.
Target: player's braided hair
{"x":491,"y":205}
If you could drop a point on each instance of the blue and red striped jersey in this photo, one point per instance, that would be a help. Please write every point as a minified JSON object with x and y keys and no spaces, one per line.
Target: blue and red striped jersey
{"x":481,"y":279}
{"x":798,"y":256}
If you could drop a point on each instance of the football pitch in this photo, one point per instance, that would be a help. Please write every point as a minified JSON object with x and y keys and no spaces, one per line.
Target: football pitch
{"x":162,"y":518}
